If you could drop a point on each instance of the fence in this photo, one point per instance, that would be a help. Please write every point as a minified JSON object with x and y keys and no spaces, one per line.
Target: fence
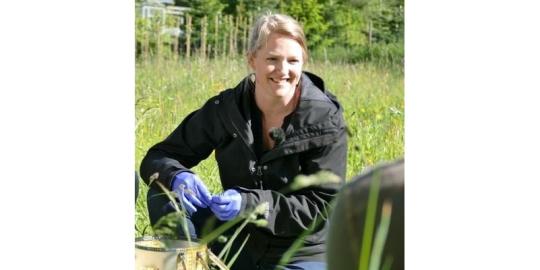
{"x":184,"y":35}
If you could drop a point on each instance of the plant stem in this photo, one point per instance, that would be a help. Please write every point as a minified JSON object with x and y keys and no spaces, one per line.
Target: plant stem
{"x":369,"y":224}
{"x":380,"y":236}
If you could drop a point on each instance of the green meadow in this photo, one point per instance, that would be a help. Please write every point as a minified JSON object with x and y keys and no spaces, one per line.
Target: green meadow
{"x":166,"y":91}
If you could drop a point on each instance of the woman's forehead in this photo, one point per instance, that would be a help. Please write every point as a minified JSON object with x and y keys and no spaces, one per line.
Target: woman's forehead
{"x":279,"y":43}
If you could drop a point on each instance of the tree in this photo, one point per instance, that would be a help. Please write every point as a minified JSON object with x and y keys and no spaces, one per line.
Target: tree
{"x":310,"y":14}
{"x":245,"y":7}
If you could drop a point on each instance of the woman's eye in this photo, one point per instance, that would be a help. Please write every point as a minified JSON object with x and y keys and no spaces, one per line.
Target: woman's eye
{"x":271,"y":58}
{"x":294,"y":61}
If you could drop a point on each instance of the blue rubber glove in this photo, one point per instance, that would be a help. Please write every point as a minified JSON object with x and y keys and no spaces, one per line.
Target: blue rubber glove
{"x":191,"y":189}
{"x":227,"y":205}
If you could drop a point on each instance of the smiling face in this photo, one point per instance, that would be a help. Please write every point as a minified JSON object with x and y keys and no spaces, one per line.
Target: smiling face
{"x":278,"y":67}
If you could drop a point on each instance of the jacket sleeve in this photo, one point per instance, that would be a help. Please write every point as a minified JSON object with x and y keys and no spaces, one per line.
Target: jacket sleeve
{"x":192,"y":141}
{"x":291,"y":214}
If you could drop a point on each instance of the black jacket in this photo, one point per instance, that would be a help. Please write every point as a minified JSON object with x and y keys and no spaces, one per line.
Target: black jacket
{"x":315,"y":140}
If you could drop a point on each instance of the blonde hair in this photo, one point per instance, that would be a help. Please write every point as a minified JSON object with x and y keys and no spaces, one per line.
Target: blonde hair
{"x":275,"y":23}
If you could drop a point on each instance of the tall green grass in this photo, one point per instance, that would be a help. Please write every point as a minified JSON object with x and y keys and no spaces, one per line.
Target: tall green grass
{"x":167,"y":91}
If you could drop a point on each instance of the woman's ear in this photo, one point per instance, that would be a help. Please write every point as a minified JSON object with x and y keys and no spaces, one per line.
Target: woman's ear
{"x":251,"y":62}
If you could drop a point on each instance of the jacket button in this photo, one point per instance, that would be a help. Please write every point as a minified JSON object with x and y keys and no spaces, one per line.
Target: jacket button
{"x":216,"y":102}
{"x":234,"y":135}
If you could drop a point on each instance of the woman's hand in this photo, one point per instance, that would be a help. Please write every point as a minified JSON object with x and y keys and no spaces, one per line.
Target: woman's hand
{"x":192,"y":191}
{"x":227,"y":205}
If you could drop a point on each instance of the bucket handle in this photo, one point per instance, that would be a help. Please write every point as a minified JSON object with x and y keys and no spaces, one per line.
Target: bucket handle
{"x":216,"y":260}
{"x":181,"y":258}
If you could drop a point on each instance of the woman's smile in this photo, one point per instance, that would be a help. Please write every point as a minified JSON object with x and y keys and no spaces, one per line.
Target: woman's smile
{"x":280,"y":81}
{"x":278,"y":67}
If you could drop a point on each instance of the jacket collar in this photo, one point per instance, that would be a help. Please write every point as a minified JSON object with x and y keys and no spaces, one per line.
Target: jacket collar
{"x":314,"y":123}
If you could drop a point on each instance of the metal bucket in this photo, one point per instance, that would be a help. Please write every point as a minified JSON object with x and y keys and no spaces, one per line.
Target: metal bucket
{"x":156,"y":253}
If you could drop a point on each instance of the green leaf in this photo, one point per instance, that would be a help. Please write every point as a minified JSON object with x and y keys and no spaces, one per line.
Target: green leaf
{"x":369,"y":224}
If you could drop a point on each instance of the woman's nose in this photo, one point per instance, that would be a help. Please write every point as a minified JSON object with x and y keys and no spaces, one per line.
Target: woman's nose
{"x":283,"y":67}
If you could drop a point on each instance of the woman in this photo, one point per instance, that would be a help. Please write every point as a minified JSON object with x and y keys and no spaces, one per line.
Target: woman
{"x":274,"y":125}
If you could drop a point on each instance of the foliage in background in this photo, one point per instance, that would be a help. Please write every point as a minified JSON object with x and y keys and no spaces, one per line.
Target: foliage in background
{"x":337,"y":30}
{"x":199,"y":10}
{"x":236,"y":7}
{"x":310,"y":14}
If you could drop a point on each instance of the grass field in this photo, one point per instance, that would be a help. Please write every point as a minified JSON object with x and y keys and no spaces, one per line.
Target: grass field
{"x":167,"y":91}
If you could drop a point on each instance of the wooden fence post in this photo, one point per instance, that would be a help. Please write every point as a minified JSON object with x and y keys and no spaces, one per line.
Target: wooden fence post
{"x":146,"y":40}
{"x":224,"y":52}
{"x":231,"y":35}
{"x":188,"y":36}
{"x":250,"y":22}
{"x":216,"y":37}
{"x":235,"y":41}
{"x":157,"y":32}
{"x":203,"y":38}
{"x":244,"y":35}
{"x":175,"y":43}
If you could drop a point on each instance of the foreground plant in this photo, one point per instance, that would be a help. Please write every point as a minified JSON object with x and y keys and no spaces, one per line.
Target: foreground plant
{"x":167,"y":226}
